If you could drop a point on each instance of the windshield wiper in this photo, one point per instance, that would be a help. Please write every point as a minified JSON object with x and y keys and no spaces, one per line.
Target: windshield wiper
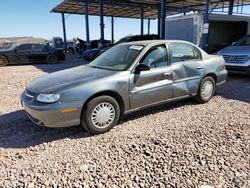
{"x":97,"y":67}
{"x":103,"y":68}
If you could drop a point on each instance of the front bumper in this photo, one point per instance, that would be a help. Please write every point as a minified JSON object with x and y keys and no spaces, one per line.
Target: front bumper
{"x":238,"y":69}
{"x":51,"y":115}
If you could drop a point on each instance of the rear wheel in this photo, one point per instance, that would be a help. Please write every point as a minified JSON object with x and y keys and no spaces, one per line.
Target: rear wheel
{"x":206,"y":90}
{"x":3,"y":60}
{"x":100,"y":115}
{"x":51,"y":59}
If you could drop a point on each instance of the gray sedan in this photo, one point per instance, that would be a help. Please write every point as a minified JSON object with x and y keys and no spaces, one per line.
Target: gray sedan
{"x":126,"y":78}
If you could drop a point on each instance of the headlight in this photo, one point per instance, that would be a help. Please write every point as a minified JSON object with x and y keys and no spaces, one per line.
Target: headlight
{"x":48,"y":98}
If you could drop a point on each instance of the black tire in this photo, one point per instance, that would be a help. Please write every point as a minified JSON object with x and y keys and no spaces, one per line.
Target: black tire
{"x":107,"y":108}
{"x":205,"y":94}
{"x":3,"y":61}
{"x":51,"y":59}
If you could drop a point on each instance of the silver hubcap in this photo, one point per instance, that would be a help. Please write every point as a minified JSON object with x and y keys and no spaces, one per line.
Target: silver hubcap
{"x":207,"y":89}
{"x":103,"y":115}
{"x":3,"y":60}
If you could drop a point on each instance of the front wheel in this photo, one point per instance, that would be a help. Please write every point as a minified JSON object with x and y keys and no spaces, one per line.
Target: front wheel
{"x":100,"y":115}
{"x":51,"y":59}
{"x":206,"y":90}
{"x":3,"y":60}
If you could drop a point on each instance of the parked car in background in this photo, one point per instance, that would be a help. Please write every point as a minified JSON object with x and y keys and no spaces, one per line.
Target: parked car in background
{"x":6,"y":45}
{"x":70,"y":47}
{"x":57,"y":43}
{"x":237,"y":56}
{"x":91,"y":54}
{"x":95,"y":52}
{"x":126,"y":78}
{"x":30,"y":53}
{"x":82,"y":45}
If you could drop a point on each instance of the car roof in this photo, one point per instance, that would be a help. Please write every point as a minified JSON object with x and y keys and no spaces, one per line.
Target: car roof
{"x":151,"y":42}
{"x":30,"y":44}
{"x":133,"y":36}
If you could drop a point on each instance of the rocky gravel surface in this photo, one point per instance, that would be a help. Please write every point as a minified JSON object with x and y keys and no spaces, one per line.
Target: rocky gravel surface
{"x":182,"y":144}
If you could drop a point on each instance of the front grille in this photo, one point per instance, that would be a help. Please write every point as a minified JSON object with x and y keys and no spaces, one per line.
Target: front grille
{"x":236,"y":59}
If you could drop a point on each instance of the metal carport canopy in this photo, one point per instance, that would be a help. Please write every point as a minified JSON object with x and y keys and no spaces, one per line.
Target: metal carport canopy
{"x":132,"y":8}
{"x":141,"y":9}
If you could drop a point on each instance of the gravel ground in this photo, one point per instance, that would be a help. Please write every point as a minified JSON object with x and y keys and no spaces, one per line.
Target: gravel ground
{"x":175,"y":145}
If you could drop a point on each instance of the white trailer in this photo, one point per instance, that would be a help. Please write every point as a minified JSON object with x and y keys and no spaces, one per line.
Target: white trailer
{"x":222,"y":29}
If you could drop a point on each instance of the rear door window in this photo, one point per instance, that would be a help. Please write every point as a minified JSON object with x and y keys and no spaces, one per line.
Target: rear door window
{"x":24,"y":47}
{"x":183,"y":52}
{"x":38,"y":47}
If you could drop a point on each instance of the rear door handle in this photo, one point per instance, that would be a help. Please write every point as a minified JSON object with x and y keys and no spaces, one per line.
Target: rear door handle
{"x":199,"y":68}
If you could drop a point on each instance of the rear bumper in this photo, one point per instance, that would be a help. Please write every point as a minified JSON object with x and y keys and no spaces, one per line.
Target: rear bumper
{"x":52,"y":116}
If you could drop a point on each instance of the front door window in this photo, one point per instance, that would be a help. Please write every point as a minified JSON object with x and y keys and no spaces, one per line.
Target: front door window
{"x":156,"y":57}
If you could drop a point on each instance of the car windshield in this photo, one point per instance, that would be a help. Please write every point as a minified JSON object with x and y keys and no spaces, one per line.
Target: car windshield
{"x":245,"y":41}
{"x":118,"y":58}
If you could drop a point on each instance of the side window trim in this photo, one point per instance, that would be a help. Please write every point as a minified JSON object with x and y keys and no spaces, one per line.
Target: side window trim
{"x":195,"y":49}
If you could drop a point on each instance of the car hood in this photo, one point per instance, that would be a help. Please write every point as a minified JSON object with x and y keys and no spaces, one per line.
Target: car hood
{"x":235,"y":50}
{"x":62,"y":80}
{"x":4,"y":50}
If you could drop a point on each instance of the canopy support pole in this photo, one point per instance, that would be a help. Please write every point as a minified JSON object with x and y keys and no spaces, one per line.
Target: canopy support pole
{"x":87,"y":23}
{"x":64,"y":32}
{"x":159,"y":22}
{"x":205,"y":25}
{"x":231,"y":7}
{"x":142,"y":20}
{"x":112,"y":29}
{"x":163,"y":19}
{"x":101,"y":21}
{"x":148,"y":26}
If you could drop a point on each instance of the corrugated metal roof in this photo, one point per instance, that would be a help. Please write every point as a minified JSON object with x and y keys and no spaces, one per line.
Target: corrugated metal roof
{"x":132,"y":8}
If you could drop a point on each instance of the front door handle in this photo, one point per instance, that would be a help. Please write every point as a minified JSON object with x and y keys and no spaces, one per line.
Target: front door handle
{"x":168,"y":75}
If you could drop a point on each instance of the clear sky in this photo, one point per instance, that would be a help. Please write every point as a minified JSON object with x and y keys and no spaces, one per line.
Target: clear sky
{"x":33,"y":18}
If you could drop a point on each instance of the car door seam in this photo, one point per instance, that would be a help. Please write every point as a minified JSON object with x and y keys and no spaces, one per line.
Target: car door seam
{"x":187,"y":79}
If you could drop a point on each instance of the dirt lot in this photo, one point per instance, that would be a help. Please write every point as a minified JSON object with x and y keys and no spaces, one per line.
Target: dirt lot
{"x":175,"y":145}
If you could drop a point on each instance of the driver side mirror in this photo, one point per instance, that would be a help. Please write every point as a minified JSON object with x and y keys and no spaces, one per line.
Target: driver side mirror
{"x":141,"y":67}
